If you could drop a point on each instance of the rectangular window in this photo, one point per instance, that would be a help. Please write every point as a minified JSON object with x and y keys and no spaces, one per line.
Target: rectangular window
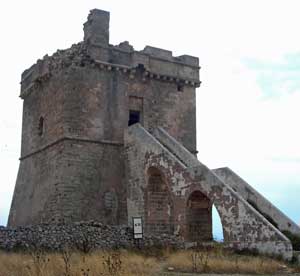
{"x":134,"y":117}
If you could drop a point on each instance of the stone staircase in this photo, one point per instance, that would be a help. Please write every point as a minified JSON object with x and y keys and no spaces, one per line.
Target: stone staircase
{"x":240,"y":186}
{"x":243,"y":225}
{"x":230,"y":178}
{"x":258,"y":201}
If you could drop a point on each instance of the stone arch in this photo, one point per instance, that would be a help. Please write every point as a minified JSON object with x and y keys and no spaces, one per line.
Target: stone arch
{"x":198,"y":217}
{"x":219,"y":203}
{"x":158,"y":203}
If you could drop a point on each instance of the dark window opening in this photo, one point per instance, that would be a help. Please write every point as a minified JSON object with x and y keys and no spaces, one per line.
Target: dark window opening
{"x":134,"y":117}
{"x":141,"y":67}
{"x":41,"y":126}
{"x":180,"y":87}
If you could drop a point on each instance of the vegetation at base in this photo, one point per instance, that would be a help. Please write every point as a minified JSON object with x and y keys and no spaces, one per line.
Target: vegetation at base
{"x":72,"y":263}
{"x":295,"y":239}
{"x":146,"y":262}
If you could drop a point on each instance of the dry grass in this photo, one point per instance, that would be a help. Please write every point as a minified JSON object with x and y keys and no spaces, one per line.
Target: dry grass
{"x":219,"y":261}
{"x":296,"y":268}
{"x":125,"y":263}
{"x":95,"y":264}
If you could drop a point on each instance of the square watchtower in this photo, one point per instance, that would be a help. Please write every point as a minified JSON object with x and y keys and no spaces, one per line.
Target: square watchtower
{"x":77,"y":104}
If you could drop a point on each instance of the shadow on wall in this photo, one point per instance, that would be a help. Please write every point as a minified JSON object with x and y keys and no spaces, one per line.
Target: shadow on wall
{"x":158,"y":203}
{"x":199,"y":217}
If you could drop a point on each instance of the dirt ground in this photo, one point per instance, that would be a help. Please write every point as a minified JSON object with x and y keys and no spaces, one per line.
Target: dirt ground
{"x":193,"y":274}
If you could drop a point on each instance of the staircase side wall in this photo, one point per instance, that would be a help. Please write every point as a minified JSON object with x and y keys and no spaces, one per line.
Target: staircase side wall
{"x":243,"y":226}
{"x":264,"y":206}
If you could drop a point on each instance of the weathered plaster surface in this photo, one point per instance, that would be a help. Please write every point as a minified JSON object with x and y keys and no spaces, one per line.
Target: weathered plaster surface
{"x":243,"y":226}
{"x":265,"y":207}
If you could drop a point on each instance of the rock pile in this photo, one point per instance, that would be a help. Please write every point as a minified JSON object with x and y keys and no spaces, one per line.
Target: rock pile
{"x":84,"y":236}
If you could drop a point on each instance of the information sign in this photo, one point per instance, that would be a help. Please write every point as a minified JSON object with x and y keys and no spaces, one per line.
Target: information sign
{"x":137,"y":228}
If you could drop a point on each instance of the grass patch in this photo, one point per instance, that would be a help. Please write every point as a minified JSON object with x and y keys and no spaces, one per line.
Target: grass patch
{"x":124,"y":263}
{"x":222,"y":261}
{"x":98,"y":263}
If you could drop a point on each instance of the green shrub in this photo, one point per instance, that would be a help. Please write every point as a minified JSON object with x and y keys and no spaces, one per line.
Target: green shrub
{"x":295,"y":239}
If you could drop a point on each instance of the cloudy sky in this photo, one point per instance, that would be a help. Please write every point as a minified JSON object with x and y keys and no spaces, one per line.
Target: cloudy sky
{"x":248,"y":106}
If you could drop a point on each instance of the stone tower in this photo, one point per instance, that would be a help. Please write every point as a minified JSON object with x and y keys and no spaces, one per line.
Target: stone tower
{"x":77,"y":104}
{"x":109,"y":133}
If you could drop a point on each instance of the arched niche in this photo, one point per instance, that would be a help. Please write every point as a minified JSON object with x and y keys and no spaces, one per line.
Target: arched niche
{"x":158,"y":203}
{"x":198,"y":217}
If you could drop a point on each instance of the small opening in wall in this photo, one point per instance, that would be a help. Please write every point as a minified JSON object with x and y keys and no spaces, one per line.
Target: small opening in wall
{"x":218,"y":234}
{"x":180,"y":87}
{"x":141,"y":67}
{"x":134,"y":117}
{"x":41,"y":126}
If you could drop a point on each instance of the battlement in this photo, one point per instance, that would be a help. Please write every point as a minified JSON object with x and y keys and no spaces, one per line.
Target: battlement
{"x":157,"y":63}
{"x":168,"y":55}
{"x":96,"y":32}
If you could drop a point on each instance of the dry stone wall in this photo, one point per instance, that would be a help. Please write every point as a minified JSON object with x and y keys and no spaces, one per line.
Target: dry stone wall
{"x":84,"y":236}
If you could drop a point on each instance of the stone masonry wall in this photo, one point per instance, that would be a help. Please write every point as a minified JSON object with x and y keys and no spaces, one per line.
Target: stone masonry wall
{"x":85,"y":98}
{"x":65,"y":184}
{"x":83,"y":236}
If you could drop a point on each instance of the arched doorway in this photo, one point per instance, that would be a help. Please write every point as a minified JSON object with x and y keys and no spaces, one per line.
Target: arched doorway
{"x":198,"y":217}
{"x":159,"y":207}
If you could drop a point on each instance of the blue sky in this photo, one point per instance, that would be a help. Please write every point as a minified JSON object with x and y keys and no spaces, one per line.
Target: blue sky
{"x":247,"y":106}
{"x":277,"y":78}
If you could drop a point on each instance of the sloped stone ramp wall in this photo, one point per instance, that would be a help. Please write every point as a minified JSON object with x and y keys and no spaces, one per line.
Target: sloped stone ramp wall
{"x":260,"y":203}
{"x":243,"y":226}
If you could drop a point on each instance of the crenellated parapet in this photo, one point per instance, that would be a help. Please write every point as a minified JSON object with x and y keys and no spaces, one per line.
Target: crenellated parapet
{"x":95,"y":50}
